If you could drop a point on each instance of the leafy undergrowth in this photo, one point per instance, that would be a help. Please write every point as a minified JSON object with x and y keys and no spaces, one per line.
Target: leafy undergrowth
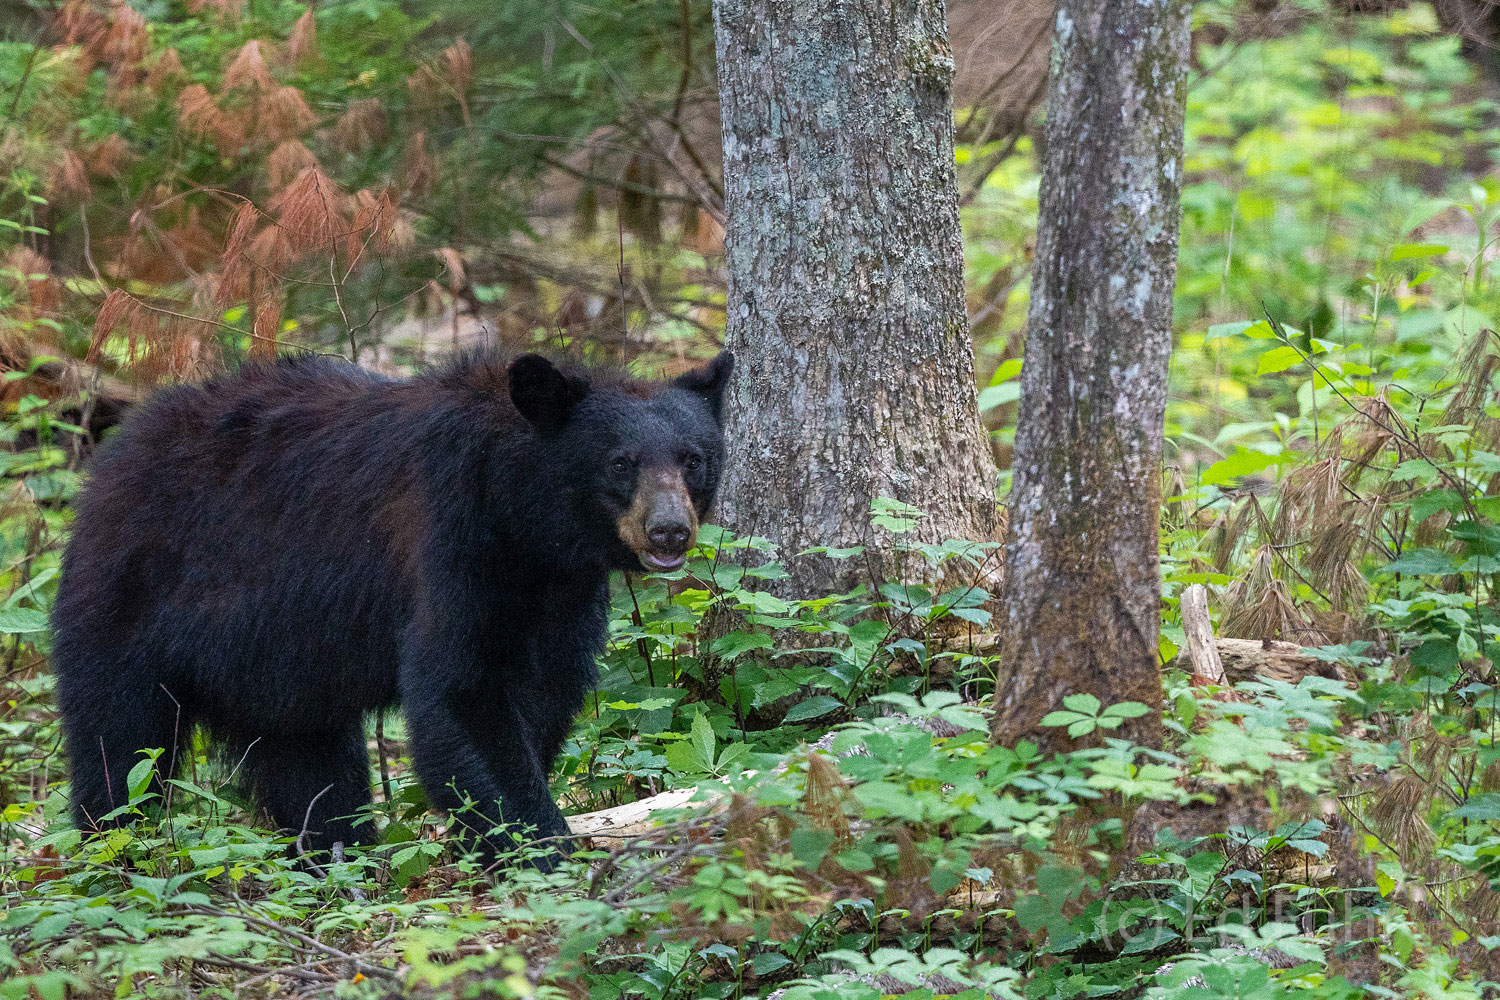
{"x":1305,"y":834}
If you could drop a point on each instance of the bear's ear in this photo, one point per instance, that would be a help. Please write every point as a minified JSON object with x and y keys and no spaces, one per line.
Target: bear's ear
{"x":544,"y":395}
{"x":709,"y":382}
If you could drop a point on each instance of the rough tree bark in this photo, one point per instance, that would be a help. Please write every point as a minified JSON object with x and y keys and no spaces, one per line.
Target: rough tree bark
{"x":1082,"y":590}
{"x":855,"y":374}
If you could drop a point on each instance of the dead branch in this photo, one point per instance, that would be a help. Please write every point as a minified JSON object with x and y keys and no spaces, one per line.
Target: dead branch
{"x":1207,"y":667}
{"x":633,"y":819}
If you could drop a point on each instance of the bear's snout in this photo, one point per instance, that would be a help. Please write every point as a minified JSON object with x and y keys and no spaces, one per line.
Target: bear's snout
{"x":661,"y":524}
{"x":670,"y":535}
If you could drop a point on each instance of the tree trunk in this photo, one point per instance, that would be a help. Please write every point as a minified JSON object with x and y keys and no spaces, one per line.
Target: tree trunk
{"x":1082,"y":590}
{"x":846,"y":312}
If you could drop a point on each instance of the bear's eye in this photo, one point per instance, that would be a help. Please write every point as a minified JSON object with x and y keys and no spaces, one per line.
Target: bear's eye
{"x":692,"y":462}
{"x":620,"y":465}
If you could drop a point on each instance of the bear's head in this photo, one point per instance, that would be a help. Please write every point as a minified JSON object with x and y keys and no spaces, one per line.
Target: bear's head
{"x":641,"y":461}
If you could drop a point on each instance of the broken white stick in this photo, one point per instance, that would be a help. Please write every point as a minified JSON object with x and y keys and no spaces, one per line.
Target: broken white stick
{"x":1199,"y":630}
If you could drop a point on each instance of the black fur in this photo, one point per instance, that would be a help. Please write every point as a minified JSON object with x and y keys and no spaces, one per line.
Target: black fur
{"x":283,"y":550}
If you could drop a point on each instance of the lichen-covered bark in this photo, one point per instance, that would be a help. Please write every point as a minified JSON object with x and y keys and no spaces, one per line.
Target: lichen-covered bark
{"x":855,"y":374}
{"x":1082,"y":592}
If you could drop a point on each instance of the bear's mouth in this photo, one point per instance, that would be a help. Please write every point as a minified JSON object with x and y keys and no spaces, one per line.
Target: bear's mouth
{"x":660,"y":562}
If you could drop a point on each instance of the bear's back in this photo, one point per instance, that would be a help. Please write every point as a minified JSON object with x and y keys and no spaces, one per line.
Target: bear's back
{"x":189,"y":442}
{"x":251,"y":505}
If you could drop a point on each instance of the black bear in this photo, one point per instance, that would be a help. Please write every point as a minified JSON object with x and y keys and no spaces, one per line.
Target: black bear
{"x":273,"y":554}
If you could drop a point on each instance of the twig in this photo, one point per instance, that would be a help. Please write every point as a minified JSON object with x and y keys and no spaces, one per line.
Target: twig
{"x":1044,"y":26}
{"x":241,"y":761}
{"x":988,"y":165}
{"x":262,"y":972}
{"x":171,"y":767}
{"x":338,"y":295}
{"x":108,"y":786}
{"x":685,"y":848}
{"x":291,"y":932}
{"x":336,"y":857}
{"x":709,"y":195}
{"x":88,"y":256}
{"x":619,"y":184}
{"x":309,"y":968}
{"x":640,"y":640}
{"x":1459,"y":488}
{"x":302,"y":834}
{"x":385,"y":766}
{"x":232,"y":329}
{"x":687,"y":63}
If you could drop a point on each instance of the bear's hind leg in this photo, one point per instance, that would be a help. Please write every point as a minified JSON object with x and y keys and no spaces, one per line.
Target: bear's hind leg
{"x":109,"y":717}
{"x":314,"y":786}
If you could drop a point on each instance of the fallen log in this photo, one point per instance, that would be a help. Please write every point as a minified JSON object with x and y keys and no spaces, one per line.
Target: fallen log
{"x":1247,"y":659}
{"x":1241,"y":659}
{"x":633,"y":819}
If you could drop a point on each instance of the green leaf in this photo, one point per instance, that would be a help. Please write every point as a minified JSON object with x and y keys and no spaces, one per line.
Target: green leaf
{"x":1422,"y":562}
{"x":703,"y":739}
{"x":998,"y":395}
{"x":736,"y":643}
{"x":1316,"y":848}
{"x":1085,"y":703}
{"x":1431,"y":502}
{"x":810,"y":846}
{"x":1413,"y":251}
{"x":1082,"y":727}
{"x":1003,"y":388}
{"x":1008,"y":370}
{"x":812,"y":708}
{"x":1256,"y":330}
{"x":15,"y":621}
{"x":1436,"y":654}
{"x":886,"y":798}
{"x":1485,"y":461}
{"x":730,"y":756}
{"x":868,"y":631}
{"x":1203,"y":868}
{"x":683,"y":756}
{"x":1485,"y":806}
{"x":894,"y":516}
{"x":1279,"y":359}
{"x":766,"y":604}
{"x":1243,"y":462}
{"x":1220,"y":330}
{"x":1059,"y":719}
{"x":1415,"y":468}
{"x":944,"y":880}
{"x":766,"y":962}
{"x":648,"y":705}
{"x":139,"y":778}
{"x":1149,"y":939}
{"x":1037,"y":910}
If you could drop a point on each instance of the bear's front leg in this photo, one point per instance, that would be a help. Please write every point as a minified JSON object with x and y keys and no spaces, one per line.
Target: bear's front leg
{"x":468,"y":744}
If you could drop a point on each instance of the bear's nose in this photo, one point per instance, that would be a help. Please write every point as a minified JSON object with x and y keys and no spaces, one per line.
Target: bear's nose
{"x":673,"y":537}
